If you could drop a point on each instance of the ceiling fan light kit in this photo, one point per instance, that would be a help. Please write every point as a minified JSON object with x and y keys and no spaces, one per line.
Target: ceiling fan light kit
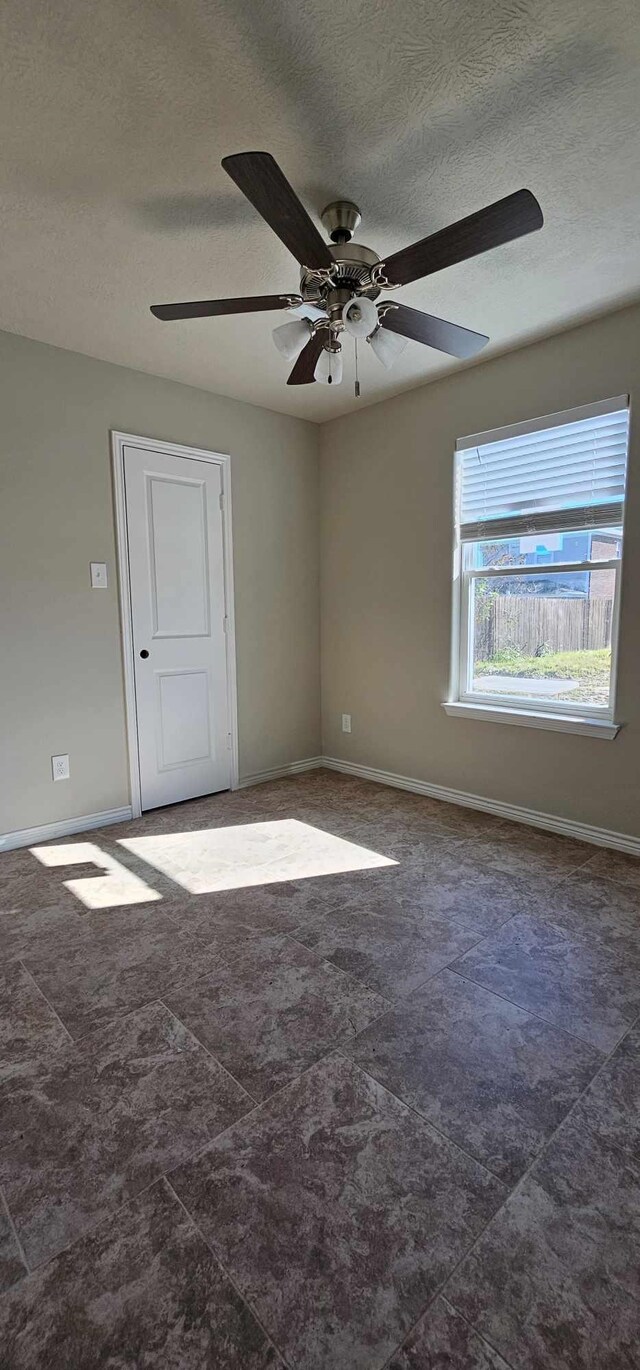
{"x":360,"y":316}
{"x":290,"y":338}
{"x":340,"y":281}
{"x":329,"y":366}
{"x":386,"y":346}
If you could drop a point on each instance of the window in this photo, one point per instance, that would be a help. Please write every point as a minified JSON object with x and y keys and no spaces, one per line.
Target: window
{"x":539,"y":530}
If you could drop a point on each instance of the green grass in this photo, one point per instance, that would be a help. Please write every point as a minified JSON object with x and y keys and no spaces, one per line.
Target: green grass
{"x":593,"y":665}
{"x":589,"y":669}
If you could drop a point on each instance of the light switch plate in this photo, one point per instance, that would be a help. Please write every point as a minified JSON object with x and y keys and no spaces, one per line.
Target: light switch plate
{"x":98,"y":575}
{"x":60,"y":767}
{"x":346,"y":723}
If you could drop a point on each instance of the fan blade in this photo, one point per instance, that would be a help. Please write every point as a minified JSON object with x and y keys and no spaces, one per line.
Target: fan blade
{"x":426,"y":328}
{"x":305,"y":366}
{"x":510,"y":218}
{"x":259,"y":177}
{"x":204,"y":309}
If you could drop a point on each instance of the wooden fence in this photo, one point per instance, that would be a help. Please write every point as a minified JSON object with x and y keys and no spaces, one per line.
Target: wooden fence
{"x":540,"y":624}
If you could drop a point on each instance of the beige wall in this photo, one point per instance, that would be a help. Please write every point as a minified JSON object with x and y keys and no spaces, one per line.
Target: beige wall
{"x":386,"y":478}
{"x":61,"y":666}
{"x":386,"y":583}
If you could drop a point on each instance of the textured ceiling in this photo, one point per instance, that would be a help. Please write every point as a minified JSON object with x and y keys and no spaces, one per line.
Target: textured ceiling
{"x":115,"y":114}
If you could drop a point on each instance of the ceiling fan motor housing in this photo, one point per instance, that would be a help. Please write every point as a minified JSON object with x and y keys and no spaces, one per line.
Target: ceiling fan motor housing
{"x":352,"y":276}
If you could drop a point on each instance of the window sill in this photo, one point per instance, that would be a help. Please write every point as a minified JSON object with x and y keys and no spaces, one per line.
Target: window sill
{"x":526,"y":718}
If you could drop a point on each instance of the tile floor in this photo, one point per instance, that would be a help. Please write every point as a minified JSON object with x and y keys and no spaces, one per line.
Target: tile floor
{"x":320,"y":1075}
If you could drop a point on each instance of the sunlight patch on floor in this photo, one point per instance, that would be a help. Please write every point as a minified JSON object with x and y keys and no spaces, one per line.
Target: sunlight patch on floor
{"x":114,"y":886}
{"x":251,"y":854}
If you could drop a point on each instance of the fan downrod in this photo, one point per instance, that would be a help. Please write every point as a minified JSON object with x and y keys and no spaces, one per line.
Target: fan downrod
{"x":341,"y":219}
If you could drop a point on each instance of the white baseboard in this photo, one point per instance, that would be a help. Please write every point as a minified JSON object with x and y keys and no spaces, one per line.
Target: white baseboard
{"x":31,"y":837}
{"x":567,"y":827}
{"x":312,"y":763}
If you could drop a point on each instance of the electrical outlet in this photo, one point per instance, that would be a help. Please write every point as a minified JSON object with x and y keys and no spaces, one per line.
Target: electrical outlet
{"x":346,"y":723}
{"x":60,"y":767}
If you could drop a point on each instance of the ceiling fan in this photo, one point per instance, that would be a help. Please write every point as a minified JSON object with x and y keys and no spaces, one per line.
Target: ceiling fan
{"x":341,"y":280}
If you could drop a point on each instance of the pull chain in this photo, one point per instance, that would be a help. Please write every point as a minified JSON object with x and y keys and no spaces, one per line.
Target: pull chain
{"x":357,"y":385}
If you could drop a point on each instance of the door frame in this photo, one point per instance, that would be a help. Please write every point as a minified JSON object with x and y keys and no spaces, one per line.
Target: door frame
{"x":222,"y":459}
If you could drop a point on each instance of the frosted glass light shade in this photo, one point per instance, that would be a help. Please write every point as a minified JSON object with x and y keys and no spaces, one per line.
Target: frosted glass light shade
{"x":329,"y":367}
{"x":290,"y":338}
{"x":387,"y":346}
{"x":360,"y":316}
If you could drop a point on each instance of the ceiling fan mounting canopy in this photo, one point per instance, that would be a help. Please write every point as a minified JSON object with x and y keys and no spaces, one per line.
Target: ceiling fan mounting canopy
{"x":334,"y":274}
{"x":341,"y":219}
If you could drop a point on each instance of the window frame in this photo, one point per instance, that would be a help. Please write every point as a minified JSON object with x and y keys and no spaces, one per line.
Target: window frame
{"x":521,"y":707}
{"x":513,"y":701}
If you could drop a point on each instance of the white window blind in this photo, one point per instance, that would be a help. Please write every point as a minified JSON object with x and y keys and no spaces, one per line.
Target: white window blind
{"x":557,"y":473}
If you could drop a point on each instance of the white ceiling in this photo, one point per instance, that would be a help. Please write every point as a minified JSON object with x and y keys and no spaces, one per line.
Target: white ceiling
{"x":114,"y":115}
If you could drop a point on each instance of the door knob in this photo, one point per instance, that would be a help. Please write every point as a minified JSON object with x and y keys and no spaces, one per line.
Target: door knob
{"x":144,"y":654}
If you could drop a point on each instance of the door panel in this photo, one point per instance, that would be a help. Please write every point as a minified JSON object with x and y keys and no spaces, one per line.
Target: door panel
{"x":184,"y":733}
{"x":176,"y":567}
{"x":180,"y":564}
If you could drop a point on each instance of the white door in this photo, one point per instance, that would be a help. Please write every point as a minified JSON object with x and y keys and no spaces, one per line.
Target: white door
{"x":176,"y":567}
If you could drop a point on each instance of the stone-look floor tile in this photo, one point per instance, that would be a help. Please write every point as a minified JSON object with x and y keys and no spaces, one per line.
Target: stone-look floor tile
{"x":404,"y":841}
{"x":465,"y":821}
{"x":148,"y":1304}
{"x":36,"y":889}
{"x":444,"y":1341}
{"x":401,"y":804}
{"x":210,"y":811}
{"x":523,"y":851}
{"x":442,"y":882}
{"x":262,"y":908}
{"x":487,"y":1074}
{"x":273,"y":1011}
{"x":304,"y":900}
{"x":444,"y":885}
{"x":554,"y":1281}
{"x":582,"y":988}
{"x":615,"y":865}
{"x":172,"y":818}
{"x":58,"y":874}
{"x":381,"y":820}
{"x":147,"y":878}
{"x":29,"y":1028}
{"x":143,"y":1290}
{"x":120,"y":959}
{"x":259,"y":853}
{"x":453,"y":817}
{"x":387,"y":952}
{"x":104,"y":1118}
{"x":21,"y":929}
{"x":12,"y":1268}
{"x":16,"y":861}
{"x":611,"y":1107}
{"x":337,"y":1212}
{"x":312,"y":786}
{"x":593,"y":910}
{"x":95,"y":877}
{"x":456,"y":890}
